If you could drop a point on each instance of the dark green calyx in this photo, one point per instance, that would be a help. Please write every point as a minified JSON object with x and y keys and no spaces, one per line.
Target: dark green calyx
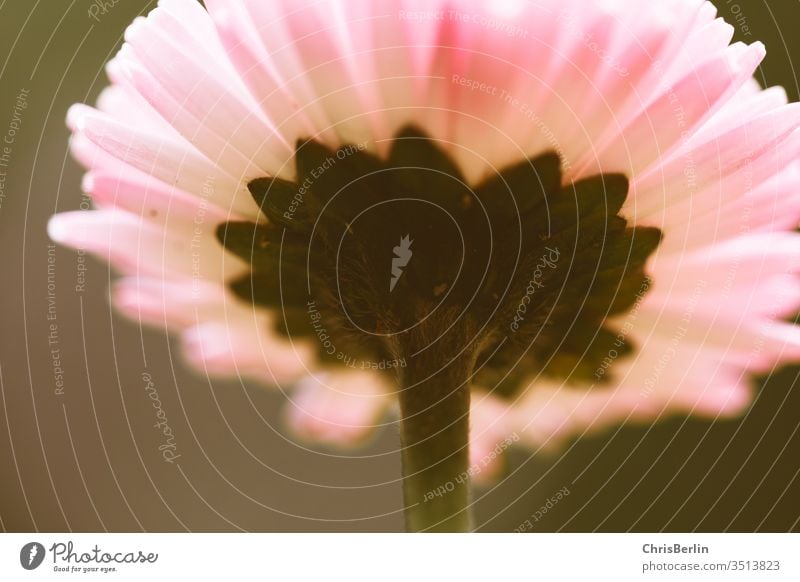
{"x":386,"y":261}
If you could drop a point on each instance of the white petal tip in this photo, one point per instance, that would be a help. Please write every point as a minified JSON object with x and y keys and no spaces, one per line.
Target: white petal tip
{"x":58,"y":228}
{"x":136,"y":26}
{"x":76,"y":117}
{"x":88,"y":183}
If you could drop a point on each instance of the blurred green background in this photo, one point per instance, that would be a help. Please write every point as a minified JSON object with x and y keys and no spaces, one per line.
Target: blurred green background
{"x":88,"y":460}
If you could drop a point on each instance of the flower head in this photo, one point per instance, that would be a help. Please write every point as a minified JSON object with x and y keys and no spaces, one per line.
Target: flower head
{"x":589,"y":205}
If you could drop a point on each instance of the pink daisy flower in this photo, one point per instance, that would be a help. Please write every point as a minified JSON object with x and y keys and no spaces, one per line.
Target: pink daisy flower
{"x":522,"y":220}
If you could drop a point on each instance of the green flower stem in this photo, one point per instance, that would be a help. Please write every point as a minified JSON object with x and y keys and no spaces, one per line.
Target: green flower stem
{"x":434,"y":404}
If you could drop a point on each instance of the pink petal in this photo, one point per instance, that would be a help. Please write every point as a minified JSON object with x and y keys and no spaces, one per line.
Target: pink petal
{"x":338,"y":408}
{"x":169,"y":160}
{"x":138,"y":247}
{"x":245,"y":348}
{"x":180,"y":303}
